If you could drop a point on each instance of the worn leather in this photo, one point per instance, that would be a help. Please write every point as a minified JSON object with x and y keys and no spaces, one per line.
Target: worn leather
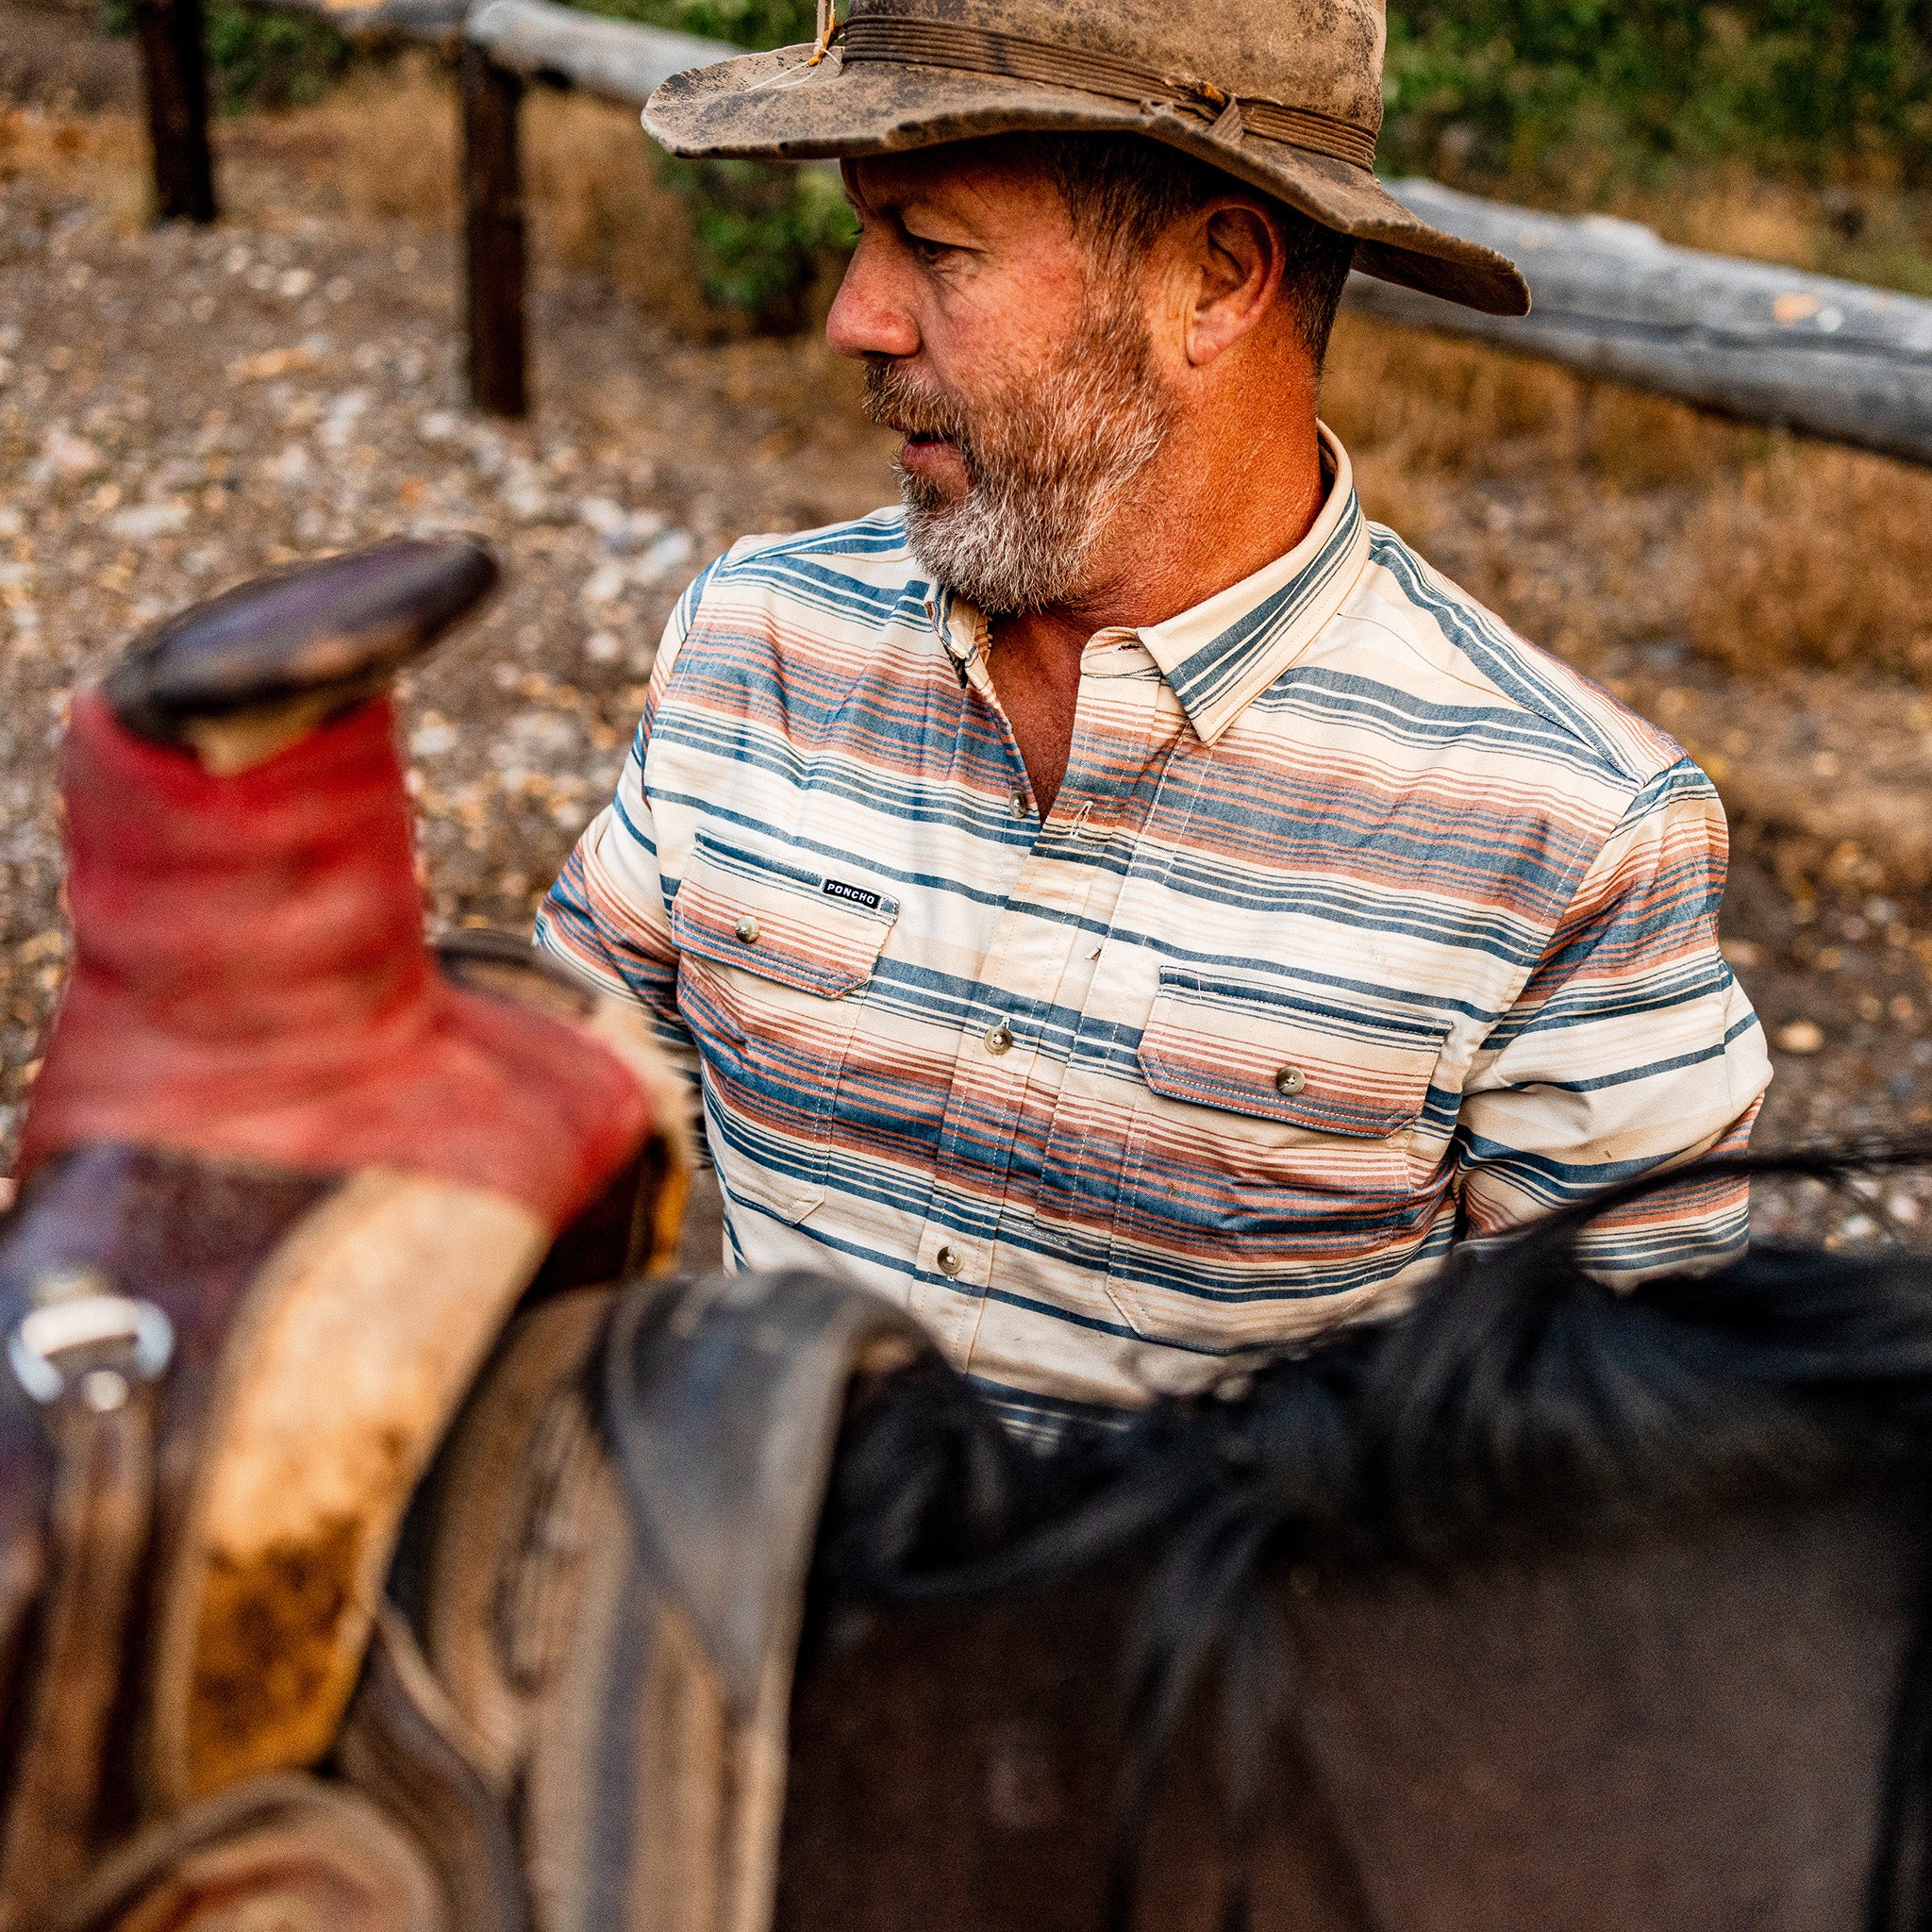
{"x":625,"y":1518}
{"x":250,"y":983}
{"x":286,"y":1852}
{"x":1310,"y":58}
{"x":335,"y":1167}
{"x":722,"y":1398}
{"x":316,"y":636}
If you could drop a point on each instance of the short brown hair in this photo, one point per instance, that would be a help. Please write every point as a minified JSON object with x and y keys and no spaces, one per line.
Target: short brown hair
{"x":1123,"y":192}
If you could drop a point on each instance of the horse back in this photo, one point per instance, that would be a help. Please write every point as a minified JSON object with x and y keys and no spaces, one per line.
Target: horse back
{"x":1685,"y":1728}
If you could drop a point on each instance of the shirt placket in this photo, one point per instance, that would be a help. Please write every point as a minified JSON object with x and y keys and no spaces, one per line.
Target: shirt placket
{"x":1041,"y":955}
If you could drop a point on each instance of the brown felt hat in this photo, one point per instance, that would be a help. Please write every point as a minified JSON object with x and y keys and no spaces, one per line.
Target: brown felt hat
{"x":1285,"y":95}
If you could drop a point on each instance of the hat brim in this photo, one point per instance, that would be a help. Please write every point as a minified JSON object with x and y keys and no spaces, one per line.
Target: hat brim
{"x":778,"y":108}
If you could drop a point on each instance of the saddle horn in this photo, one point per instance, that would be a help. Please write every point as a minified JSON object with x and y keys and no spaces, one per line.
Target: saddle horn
{"x":246,"y":674}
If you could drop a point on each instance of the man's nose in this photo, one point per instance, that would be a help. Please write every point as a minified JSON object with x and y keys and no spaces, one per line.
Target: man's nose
{"x":869,"y":316}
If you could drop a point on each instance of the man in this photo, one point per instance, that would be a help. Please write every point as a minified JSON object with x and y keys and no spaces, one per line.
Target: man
{"x":1123,"y":904}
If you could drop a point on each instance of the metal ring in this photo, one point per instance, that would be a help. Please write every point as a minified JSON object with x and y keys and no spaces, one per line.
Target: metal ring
{"x":40,"y":1337}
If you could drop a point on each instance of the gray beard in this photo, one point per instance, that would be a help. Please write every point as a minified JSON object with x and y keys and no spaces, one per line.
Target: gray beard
{"x":1049,"y":464}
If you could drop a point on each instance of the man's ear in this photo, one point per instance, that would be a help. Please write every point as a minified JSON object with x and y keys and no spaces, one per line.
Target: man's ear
{"x":1238,"y":262}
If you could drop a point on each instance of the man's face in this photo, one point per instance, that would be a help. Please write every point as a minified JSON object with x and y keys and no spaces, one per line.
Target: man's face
{"x":1015,"y":359}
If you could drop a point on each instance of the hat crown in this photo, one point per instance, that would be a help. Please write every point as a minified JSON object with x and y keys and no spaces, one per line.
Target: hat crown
{"x":1324,"y":56}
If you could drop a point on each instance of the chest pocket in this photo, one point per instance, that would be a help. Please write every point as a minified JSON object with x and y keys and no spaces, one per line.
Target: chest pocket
{"x":1269,"y":1156}
{"x":774,"y":961}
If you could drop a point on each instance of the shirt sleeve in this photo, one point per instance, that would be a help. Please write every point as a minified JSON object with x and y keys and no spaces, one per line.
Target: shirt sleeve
{"x":607,"y":917}
{"x":1631,"y":1046}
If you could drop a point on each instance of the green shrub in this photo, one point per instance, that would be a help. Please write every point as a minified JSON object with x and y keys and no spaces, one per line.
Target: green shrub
{"x":1826,"y":87}
{"x":764,"y":233}
{"x":757,"y":23}
{"x":258,"y":57}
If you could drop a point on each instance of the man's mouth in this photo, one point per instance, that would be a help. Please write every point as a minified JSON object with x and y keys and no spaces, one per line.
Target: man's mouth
{"x":933,"y":457}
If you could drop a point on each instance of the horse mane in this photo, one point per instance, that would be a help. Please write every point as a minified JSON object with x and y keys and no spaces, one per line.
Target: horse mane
{"x":1516,"y":1403}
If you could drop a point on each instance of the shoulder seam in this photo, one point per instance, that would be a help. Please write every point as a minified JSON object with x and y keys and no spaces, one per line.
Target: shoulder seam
{"x":1461,"y":619}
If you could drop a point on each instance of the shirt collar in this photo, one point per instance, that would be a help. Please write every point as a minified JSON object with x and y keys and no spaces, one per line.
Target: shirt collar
{"x":960,"y":628}
{"x":1221,"y":655}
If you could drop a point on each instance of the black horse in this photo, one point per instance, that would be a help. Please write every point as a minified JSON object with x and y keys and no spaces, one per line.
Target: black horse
{"x":1541,"y":1606}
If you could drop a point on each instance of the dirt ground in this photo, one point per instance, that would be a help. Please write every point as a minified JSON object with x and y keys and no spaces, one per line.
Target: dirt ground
{"x":180,"y":408}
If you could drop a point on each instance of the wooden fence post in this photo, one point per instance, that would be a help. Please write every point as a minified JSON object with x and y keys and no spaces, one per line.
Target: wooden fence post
{"x":493,"y":234}
{"x":175,"y":77}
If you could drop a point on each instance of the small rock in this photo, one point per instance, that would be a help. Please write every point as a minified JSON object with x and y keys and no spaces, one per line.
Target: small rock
{"x":338,"y":425}
{"x":146,"y":521}
{"x":67,"y":455}
{"x":605,"y":584}
{"x":670,"y":552}
{"x":1799,"y":1037}
{"x":603,"y":516}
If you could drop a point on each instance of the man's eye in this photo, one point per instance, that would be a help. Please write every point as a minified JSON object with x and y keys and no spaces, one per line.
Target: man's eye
{"x":927,"y":250}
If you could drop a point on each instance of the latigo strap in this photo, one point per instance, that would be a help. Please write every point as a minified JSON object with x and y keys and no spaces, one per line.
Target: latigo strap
{"x":895,"y":38}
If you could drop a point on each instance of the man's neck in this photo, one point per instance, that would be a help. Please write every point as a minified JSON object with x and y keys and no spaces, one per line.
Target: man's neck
{"x":1204,"y":516}
{"x":1208,"y":513}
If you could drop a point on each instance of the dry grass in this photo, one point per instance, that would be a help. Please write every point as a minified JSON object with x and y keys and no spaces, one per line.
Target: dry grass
{"x":1816,"y":556}
{"x":1429,"y":409}
{"x":1769,"y":552}
{"x":387,"y":142}
{"x":1866,"y":235}
{"x":100,"y":156}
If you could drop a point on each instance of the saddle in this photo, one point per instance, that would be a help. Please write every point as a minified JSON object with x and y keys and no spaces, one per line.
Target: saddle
{"x":343,"y":1476}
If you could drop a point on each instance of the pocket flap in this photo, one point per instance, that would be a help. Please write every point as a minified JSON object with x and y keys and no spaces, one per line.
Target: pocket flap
{"x":766,"y":916}
{"x":1277,"y":1055}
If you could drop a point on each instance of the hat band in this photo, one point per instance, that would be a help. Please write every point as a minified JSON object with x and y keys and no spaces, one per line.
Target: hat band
{"x":980,"y":50}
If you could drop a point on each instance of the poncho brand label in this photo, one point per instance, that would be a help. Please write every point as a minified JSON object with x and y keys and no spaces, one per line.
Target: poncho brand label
{"x":853,"y":895}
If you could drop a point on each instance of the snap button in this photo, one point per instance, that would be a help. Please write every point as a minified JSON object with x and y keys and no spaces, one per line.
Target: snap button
{"x":748,"y":931}
{"x":950,"y":1260}
{"x":1290,"y":1079}
{"x":1020,"y":804}
{"x":998,"y":1038}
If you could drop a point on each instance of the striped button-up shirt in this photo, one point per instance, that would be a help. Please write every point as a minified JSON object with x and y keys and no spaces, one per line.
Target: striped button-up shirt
{"x":1358,"y":925}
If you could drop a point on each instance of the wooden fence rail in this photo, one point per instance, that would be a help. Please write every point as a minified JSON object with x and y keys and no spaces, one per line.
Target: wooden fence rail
{"x":1763,"y":343}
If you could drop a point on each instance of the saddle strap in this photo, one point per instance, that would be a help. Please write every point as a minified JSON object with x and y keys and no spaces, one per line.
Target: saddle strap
{"x":406,"y":1748}
{"x":102,"y":1508}
{"x":285,"y":1852}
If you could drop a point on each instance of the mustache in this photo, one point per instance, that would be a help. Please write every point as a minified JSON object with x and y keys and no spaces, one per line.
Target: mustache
{"x":896,"y":402}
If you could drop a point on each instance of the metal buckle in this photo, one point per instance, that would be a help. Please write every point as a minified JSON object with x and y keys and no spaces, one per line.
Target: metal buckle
{"x":123,"y":1340}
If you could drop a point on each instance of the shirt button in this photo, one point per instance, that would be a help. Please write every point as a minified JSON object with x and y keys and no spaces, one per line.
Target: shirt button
{"x":748,"y":931}
{"x":950,"y":1260}
{"x":998,"y":1038}
{"x":1290,"y":1079}
{"x":1020,"y":805}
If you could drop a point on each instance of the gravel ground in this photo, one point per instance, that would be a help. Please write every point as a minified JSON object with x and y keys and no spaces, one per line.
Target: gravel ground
{"x":179,"y":409}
